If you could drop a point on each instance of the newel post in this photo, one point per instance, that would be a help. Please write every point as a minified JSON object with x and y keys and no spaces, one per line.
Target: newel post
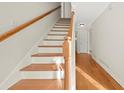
{"x":67,"y":54}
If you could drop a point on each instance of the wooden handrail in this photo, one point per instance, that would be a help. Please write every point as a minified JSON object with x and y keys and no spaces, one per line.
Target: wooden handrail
{"x":24,"y":25}
{"x":67,"y":54}
{"x":71,"y":26}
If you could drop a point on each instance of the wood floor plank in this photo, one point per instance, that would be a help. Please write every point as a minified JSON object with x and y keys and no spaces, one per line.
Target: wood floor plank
{"x":91,"y":76}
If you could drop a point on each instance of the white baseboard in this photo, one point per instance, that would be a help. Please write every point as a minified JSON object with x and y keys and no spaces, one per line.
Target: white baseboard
{"x":108,"y":70}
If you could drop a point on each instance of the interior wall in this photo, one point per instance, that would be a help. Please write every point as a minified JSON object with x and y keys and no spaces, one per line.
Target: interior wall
{"x":107,"y":35}
{"x":86,"y":13}
{"x":15,"y":48}
{"x":66,"y":10}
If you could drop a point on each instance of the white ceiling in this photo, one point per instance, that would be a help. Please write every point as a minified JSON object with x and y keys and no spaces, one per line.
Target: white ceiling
{"x":87,"y":12}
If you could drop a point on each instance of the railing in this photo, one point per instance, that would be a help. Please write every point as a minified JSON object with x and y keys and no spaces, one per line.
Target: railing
{"x":67,"y":50}
{"x":24,"y":25}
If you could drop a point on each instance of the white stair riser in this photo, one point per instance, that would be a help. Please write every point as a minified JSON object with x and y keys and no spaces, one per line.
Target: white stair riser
{"x":63,"y":22}
{"x":52,"y":43}
{"x":42,"y":74}
{"x":61,"y":29}
{"x":55,"y":37}
{"x":47,"y":60}
{"x":55,"y":32}
{"x":60,"y":26}
{"x":50,"y":50}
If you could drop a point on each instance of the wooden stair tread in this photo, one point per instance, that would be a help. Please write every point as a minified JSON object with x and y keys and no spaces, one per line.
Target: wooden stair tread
{"x":38,"y":84}
{"x":54,"y":39}
{"x":57,"y":34}
{"x":62,"y":24}
{"x":67,"y":21}
{"x":64,"y":18}
{"x":47,"y":54}
{"x":50,"y":46}
{"x":61,"y":27}
{"x":58,"y":30}
{"x":63,"y":21}
{"x":43,"y":67}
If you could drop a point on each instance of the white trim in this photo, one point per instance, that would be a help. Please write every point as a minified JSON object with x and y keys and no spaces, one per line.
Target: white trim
{"x":42,"y":74}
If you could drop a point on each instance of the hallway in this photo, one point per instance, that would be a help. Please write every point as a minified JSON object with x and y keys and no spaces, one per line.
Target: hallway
{"x":38,"y":43}
{"x":90,"y":76}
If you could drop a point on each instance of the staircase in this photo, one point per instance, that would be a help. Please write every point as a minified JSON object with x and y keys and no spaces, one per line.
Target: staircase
{"x":46,"y":71}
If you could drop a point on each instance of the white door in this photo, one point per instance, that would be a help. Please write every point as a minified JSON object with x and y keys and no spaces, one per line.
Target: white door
{"x":82,"y":40}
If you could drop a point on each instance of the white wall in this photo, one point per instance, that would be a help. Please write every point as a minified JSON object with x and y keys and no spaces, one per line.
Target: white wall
{"x":86,"y":13}
{"x":66,"y":10}
{"x":107,"y":45}
{"x":13,"y":50}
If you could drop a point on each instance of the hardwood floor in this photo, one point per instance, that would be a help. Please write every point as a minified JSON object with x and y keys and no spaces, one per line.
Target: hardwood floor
{"x":91,"y":76}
